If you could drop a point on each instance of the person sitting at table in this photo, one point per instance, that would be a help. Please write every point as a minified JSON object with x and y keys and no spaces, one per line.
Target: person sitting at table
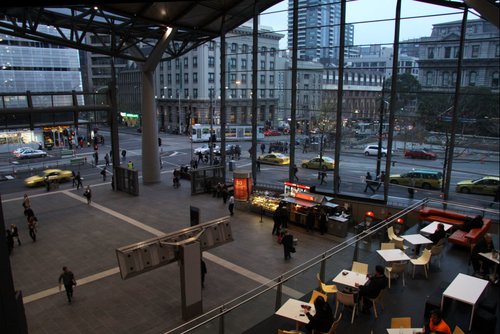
{"x":435,"y":237}
{"x":322,"y":320}
{"x":436,"y":323}
{"x":485,"y":245}
{"x":372,"y":288}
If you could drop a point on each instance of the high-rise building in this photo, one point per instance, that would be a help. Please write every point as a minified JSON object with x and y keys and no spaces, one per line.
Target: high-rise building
{"x":318,"y":30}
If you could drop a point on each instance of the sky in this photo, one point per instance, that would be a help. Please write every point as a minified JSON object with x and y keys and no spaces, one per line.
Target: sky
{"x":369,"y":10}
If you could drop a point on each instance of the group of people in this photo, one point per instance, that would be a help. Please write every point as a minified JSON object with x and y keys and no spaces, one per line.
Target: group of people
{"x":372,"y":184}
{"x":12,"y":234}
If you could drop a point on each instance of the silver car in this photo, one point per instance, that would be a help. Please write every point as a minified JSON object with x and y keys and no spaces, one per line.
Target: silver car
{"x":30,"y":153}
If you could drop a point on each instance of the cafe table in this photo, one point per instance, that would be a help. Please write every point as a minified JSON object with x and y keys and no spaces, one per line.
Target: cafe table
{"x":416,"y":239}
{"x":350,"y":278}
{"x":466,"y":289}
{"x":293,"y":309}
{"x":495,"y":259}
{"x":393,"y":255}
{"x":404,"y":330}
{"x":431,"y":228}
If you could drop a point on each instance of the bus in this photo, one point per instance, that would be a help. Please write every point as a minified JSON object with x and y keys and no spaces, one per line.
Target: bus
{"x":201,"y":132}
{"x":370,"y":129}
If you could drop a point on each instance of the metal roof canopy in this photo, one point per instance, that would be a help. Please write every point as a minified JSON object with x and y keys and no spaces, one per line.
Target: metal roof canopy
{"x":133,"y":28}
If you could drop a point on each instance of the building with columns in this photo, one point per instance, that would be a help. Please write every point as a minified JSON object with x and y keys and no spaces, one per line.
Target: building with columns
{"x":188,"y":87}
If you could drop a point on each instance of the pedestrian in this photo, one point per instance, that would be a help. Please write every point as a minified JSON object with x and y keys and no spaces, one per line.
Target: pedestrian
{"x":32,"y":227}
{"x":10,"y":240}
{"x":287,"y":242}
{"x":225,"y":193}
{"x":295,"y":171}
{"x":258,"y":165}
{"x":304,"y":148}
{"x":322,"y":222}
{"x":26,"y":202}
{"x":46,"y":180}
{"x":283,"y":216}
{"x":88,"y":195}
{"x":203,"y":273}
{"x":29,"y":213}
{"x":15,"y":233}
{"x":310,"y":221}
{"x":96,"y":158}
{"x":369,"y":180}
{"x":78,"y":181}
{"x":323,"y":177}
{"x":277,"y":221}
{"x":411,"y":188}
{"x":130,"y":165}
{"x":381,"y":179}
{"x":124,"y":154}
{"x":106,"y":159}
{"x":103,"y":173}
{"x":263,"y":148}
{"x":68,"y":279}
{"x":73,"y":178}
{"x":231,"y":205}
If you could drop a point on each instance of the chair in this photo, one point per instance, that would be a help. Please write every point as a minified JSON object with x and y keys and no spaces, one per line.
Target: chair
{"x":436,"y":251}
{"x":346,"y":299}
{"x":360,"y":267}
{"x":458,"y":330}
{"x":423,"y":260}
{"x":399,"y":244}
{"x":284,"y":331}
{"x":325,"y":288}
{"x":316,"y":294}
{"x":392,"y":235}
{"x":387,"y":245}
{"x":396,"y":268}
{"x":401,"y":322}
{"x":378,"y":300}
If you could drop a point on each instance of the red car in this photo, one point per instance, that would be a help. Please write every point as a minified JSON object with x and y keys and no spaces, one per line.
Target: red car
{"x":272,"y":133}
{"x":420,"y":154}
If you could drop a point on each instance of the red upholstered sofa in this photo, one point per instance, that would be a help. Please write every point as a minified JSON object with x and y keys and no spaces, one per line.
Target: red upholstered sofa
{"x":449,"y":217}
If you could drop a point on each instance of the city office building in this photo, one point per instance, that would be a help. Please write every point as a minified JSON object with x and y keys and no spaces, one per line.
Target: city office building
{"x":28,"y":65}
{"x":188,"y":87}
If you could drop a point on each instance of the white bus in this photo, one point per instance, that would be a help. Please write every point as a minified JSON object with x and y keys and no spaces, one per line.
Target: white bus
{"x":201,"y":132}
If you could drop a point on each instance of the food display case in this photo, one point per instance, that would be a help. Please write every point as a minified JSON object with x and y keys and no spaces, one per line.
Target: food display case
{"x":264,"y":200}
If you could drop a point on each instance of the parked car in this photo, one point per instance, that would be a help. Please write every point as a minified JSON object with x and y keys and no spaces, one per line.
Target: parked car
{"x":427,"y":179}
{"x":205,"y":149}
{"x":272,"y":133}
{"x":373,"y":150}
{"x":30,"y":153}
{"x":52,"y":174}
{"x":274,"y":159}
{"x":420,"y":154}
{"x":486,"y":185}
{"x":315,"y":163}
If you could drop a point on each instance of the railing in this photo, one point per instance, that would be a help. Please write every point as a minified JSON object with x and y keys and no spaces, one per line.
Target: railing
{"x":263,"y":301}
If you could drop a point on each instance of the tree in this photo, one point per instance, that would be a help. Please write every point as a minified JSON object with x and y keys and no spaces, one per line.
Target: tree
{"x":326,"y":124}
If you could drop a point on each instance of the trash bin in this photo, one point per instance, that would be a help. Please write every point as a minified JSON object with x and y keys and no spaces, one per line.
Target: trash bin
{"x":232,"y":165}
{"x":337,"y":226}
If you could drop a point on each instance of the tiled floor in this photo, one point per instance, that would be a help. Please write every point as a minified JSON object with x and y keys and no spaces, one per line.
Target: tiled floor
{"x":85,"y":237}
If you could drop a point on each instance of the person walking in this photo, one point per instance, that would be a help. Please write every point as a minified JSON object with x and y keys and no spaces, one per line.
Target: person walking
{"x":295,"y":171}
{"x":10,"y":240}
{"x":225,"y":193}
{"x":323,"y":176}
{"x":287,"y":242}
{"x":124,"y":154}
{"x":106,"y":159}
{"x":78,"y":181}
{"x":277,"y":221}
{"x":130,"y":165}
{"x":368,"y":181}
{"x":32,"y":227}
{"x":68,"y":279}
{"x":88,"y":195}
{"x":103,"y":173}
{"x":203,"y":273}
{"x":263,"y":148}
{"x":96,"y":158}
{"x":411,"y":188}
{"x":231,"y":205}
{"x":381,"y":180}
{"x":15,"y":233}
{"x":26,"y":202}
{"x":73,"y":178}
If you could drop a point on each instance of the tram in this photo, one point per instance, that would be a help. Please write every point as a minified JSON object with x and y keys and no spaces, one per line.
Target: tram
{"x":201,"y":132}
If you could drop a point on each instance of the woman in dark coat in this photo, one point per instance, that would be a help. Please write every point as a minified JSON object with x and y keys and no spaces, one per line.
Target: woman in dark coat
{"x":322,"y":320}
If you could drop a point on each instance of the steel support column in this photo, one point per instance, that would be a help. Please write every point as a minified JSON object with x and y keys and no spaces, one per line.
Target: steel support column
{"x":293,"y":111}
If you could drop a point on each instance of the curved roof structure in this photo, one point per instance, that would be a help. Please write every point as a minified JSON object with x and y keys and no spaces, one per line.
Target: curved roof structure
{"x":126,"y":29}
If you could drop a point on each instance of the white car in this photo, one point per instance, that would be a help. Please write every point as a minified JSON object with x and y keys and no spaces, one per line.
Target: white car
{"x":30,"y":153}
{"x":20,"y":149}
{"x":373,"y":150}
{"x":205,"y":149}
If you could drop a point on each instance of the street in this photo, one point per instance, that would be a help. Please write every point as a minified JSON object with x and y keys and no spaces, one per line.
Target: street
{"x":176,"y":151}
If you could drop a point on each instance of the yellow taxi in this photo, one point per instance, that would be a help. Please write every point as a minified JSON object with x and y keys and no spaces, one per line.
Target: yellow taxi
{"x":486,"y":185}
{"x":317,"y":163}
{"x":274,"y":159}
{"x":419,"y":178}
{"x":56,"y":175}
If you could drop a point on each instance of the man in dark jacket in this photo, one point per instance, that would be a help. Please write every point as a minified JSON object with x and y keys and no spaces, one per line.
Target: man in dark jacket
{"x":376,"y":283}
{"x":68,"y":279}
{"x":485,"y":245}
{"x":287,"y":242}
{"x":322,"y":320}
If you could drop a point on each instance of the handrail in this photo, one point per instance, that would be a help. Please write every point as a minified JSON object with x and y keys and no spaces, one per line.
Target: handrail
{"x":224,"y":309}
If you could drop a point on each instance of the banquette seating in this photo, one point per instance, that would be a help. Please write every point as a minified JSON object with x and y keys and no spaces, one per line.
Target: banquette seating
{"x":458,"y":237}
